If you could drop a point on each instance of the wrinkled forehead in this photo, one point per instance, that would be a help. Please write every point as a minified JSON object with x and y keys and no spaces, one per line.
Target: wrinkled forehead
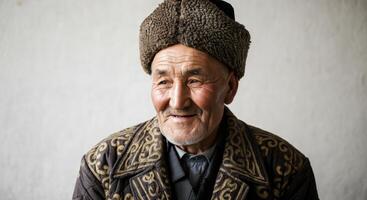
{"x":185,"y":59}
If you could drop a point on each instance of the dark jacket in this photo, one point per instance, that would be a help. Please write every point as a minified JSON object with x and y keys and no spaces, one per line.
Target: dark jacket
{"x":131,"y":164}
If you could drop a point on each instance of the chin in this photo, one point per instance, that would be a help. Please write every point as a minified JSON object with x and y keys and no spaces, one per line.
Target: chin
{"x":182,"y":137}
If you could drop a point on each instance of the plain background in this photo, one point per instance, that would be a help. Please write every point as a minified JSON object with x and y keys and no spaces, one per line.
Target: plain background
{"x":70,"y":76}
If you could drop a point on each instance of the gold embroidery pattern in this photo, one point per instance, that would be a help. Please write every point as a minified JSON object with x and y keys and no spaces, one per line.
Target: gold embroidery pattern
{"x":144,"y":150}
{"x":262,"y":192}
{"x":239,"y":158}
{"x":127,"y":196}
{"x":289,"y":162}
{"x":135,"y":149}
{"x":116,"y":197}
{"x":151,"y":185}
{"x":97,"y":159}
{"x":120,"y":141}
{"x":269,"y":142}
{"x":229,"y":187}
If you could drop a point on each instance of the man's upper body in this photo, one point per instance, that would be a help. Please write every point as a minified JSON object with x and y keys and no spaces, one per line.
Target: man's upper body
{"x":194,"y":148}
{"x":252,"y":164}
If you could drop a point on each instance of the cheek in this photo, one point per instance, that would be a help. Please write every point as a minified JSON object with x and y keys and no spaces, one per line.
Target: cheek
{"x":207,"y":97}
{"x":202,"y":99}
{"x":159,"y":99}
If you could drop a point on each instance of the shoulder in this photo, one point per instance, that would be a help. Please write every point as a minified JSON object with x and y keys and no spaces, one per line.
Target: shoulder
{"x":101,"y":157}
{"x":275,"y":155}
{"x":285,"y":166}
{"x":289,"y":171}
{"x":276,"y":150}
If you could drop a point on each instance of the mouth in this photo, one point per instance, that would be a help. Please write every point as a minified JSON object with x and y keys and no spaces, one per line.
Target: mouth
{"x":182,"y":116}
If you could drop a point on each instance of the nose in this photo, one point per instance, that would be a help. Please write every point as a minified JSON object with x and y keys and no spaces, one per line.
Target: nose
{"x":179,"y":96}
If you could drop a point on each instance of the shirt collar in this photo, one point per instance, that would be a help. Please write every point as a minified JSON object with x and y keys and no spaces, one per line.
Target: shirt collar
{"x":208,"y":153}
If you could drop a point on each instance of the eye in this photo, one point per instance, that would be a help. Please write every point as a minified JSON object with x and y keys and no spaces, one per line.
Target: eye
{"x":162,"y":82}
{"x":194,"y":82}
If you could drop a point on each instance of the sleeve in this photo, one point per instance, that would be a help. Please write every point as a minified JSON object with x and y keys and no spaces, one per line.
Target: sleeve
{"x":87,"y":186}
{"x":302,"y":185}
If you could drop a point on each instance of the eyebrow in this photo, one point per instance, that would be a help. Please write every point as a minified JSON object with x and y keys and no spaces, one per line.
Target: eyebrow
{"x":160,"y":72}
{"x":195,"y":71}
{"x":190,"y":72}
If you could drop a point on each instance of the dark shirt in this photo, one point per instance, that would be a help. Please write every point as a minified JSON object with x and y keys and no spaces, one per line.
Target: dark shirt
{"x":182,"y":188}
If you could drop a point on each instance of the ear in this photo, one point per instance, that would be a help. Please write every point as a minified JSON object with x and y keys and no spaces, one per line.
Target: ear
{"x":232,"y":88}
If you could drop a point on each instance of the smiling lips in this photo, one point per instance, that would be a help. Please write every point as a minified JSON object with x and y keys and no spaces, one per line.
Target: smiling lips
{"x":181,"y":117}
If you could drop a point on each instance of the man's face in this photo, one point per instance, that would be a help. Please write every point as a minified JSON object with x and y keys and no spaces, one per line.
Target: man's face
{"x":189,"y":89}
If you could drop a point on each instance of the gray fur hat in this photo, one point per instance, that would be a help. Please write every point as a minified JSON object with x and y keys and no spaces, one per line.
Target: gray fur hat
{"x":200,"y":24}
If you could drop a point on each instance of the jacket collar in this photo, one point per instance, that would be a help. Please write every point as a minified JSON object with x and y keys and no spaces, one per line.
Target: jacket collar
{"x":241,"y":157}
{"x":143,"y":151}
{"x":144,"y":160}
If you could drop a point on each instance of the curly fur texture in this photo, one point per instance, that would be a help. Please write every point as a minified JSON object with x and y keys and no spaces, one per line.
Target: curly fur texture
{"x":199,"y":24}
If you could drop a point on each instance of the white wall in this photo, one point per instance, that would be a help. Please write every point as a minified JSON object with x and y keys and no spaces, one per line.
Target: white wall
{"x":70,"y":75}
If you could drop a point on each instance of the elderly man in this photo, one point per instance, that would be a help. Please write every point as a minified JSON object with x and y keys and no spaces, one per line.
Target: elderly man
{"x":194,"y":148}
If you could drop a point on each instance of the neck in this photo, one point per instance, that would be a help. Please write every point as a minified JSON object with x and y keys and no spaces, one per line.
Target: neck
{"x":201,"y":146}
